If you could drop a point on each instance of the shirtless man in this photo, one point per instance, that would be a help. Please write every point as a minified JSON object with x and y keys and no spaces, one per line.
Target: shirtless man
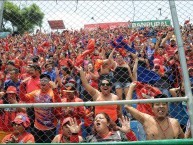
{"x":103,"y":95}
{"x":159,"y":126}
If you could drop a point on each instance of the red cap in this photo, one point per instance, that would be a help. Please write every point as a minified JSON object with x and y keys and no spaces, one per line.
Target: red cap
{"x":22,"y":118}
{"x":11,"y":89}
{"x":66,"y":120}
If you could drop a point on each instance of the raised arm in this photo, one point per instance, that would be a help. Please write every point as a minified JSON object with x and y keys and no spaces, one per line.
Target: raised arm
{"x":168,"y":36}
{"x":134,"y":112}
{"x":174,"y":91}
{"x":92,"y":91}
{"x":111,"y":60}
{"x":158,"y":38}
{"x":135,"y":67}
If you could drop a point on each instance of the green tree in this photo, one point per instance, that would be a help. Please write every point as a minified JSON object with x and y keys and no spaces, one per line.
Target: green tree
{"x":23,"y":19}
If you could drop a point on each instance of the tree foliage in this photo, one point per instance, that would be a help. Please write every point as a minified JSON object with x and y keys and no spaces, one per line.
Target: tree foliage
{"x":24,"y":19}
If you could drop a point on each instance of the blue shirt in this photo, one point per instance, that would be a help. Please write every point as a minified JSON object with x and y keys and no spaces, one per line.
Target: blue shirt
{"x":52,"y":74}
{"x":8,"y":83}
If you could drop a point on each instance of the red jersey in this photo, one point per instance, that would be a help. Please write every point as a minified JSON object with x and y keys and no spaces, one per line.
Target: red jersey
{"x":45,"y":118}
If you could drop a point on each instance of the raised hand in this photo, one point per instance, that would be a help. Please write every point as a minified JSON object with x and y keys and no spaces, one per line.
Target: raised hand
{"x":78,"y":68}
{"x":53,"y":85}
{"x":57,"y":71}
{"x":125,"y":125}
{"x":73,"y":126}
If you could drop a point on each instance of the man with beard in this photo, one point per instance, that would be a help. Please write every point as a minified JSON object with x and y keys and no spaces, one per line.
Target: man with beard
{"x":158,"y":126}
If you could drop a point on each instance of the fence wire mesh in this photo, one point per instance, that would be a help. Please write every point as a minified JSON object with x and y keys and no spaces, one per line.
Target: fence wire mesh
{"x":83,"y":51}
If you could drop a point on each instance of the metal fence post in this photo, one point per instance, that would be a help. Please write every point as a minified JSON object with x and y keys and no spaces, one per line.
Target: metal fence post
{"x":188,"y":91}
{"x":1,"y":13}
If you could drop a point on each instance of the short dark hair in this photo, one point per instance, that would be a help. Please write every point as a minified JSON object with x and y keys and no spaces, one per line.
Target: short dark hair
{"x":105,"y":79}
{"x":16,"y":70}
{"x":160,"y":96}
{"x":10,"y":63}
{"x":45,"y":76}
{"x":36,"y":67}
{"x":49,"y":63}
{"x":66,"y":69}
{"x":35,"y":59}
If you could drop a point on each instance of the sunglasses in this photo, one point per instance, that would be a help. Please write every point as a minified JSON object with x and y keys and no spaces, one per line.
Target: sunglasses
{"x":15,"y":124}
{"x":44,"y":80}
{"x":106,"y":84}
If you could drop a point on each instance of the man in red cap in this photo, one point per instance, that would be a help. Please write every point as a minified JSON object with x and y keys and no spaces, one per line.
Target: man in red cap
{"x":8,"y":114}
{"x":70,"y":130}
{"x":19,"y":134}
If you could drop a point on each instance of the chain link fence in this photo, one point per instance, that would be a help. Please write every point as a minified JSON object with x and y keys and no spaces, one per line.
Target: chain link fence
{"x":82,"y":52}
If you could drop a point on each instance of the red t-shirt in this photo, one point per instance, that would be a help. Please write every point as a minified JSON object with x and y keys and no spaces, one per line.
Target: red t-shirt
{"x":33,"y":84}
{"x":170,"y":50}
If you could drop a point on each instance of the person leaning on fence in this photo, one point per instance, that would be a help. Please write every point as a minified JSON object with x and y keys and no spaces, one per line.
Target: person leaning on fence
{"x":103,"y":95}
{"x":19,"y":133}
{"x":45,"y":118}
{"x":105,"y":130}
{"x":159,"y":125}
{"x":70,"y":131}
{"x":6,"y":114}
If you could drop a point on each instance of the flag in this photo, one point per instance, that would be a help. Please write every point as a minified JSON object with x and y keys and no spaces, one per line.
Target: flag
{"x":121,"y":43}
{"x":186,"y":22}
{"x":90,"y":48}
{"x":147,"y":76}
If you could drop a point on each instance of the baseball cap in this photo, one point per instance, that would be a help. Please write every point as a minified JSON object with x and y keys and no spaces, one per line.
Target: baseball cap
{"x":22,"y":118}
{"x":66,"y":120}
{"x":69,"y":87}
{"x":45,"y":76}
{"x":11,"y":89}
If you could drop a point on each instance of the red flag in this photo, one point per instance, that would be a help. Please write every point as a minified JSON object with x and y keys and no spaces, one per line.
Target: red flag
{"x":90,"y":46}
{"x":186,"y":22}
{"x":46,"y":44}
{"x":133,"y":37}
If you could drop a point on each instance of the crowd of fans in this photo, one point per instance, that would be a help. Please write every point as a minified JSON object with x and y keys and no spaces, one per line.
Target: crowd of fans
{"x":98,"y":65}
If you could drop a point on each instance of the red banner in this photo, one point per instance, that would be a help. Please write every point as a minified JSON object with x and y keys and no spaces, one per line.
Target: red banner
{"x":56,"y":24}
{"x":111,"y":25}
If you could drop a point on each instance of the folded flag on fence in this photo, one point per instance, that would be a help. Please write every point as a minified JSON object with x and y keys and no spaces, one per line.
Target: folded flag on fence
{"x":147,"y":76}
